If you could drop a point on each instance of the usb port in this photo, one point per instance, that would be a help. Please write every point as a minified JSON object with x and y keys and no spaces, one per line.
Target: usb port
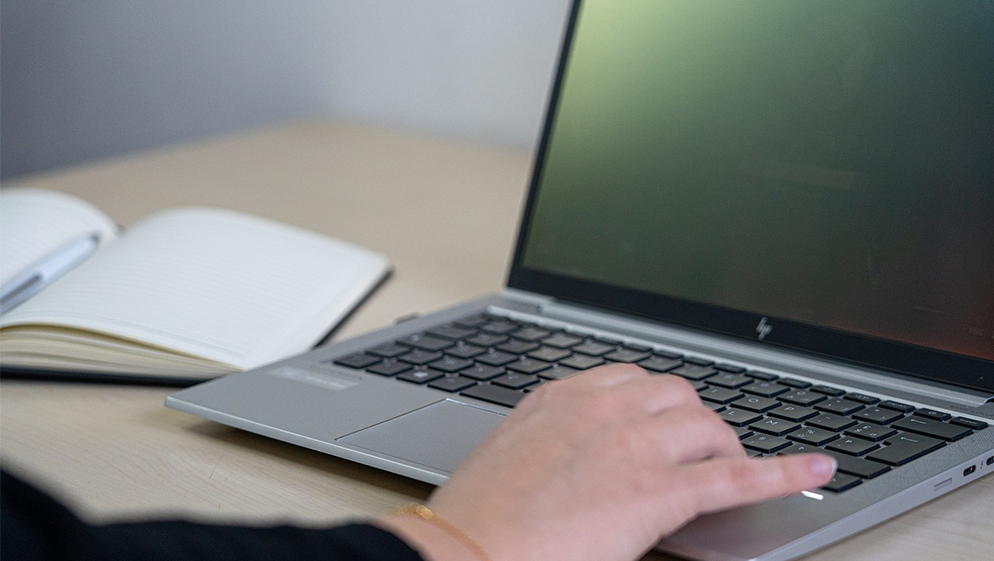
{"x":969,"y":470}
{"x":990,"y":460}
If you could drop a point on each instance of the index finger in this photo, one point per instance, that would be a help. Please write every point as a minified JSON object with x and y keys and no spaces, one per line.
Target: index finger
{"x":724,"y":483}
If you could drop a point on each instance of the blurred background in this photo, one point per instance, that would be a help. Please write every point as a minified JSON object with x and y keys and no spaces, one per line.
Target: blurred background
{"x":85,"y":80}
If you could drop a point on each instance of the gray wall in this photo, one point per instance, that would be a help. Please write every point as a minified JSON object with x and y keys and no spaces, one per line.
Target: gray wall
{"x":85,"y":79}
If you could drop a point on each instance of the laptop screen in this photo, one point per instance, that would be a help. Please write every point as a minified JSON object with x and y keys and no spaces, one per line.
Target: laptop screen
{"x":818,"y":175}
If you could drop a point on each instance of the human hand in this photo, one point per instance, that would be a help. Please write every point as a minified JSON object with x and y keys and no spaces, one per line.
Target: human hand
{"x":600,"y":467}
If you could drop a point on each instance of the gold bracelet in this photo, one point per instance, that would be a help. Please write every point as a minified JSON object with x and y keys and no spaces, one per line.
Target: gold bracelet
{"x":426,"y":514}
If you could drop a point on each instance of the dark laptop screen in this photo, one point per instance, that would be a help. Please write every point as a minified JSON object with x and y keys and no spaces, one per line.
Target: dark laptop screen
{"x":826,"y":165}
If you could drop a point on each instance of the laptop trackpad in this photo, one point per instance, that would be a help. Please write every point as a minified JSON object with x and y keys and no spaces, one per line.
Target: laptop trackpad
{"x":437,"y":436}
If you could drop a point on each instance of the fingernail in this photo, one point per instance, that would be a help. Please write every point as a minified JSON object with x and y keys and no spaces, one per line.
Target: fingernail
{"x":822,"y":465}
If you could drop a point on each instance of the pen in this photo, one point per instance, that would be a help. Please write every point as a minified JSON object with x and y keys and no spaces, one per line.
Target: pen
{"x":47,"y":269}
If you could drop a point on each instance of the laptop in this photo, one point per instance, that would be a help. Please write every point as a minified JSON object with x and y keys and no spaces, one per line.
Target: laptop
{"x":790,"y":204}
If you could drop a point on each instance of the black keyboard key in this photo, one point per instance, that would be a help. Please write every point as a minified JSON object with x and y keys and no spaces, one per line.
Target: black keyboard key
{"x":549,"y":354}
{"x":500,"y":326}
{"x":388,"y":350}
{"x":739,"y":417}
{"x":626,"y":355}
{"x":358,"y":360}
{"x":638,"y":348}
{"x":840,"y":406}
{"x":828,"y":390}
{"x":860,"y":467}
{"x":558,"y":372}
{"x":452,"y":383}
{"x":389,"y":367}
{"x":487,"y":339}
{"x":719,"y":395}
{"x":831,"y":421}
{"x":804,"y":398}
{"x":667,"y":354}
{"x":743,"y":432}
{"x":528,"y":365}
{"x":659,"y":364}
{"x":852,"y":446}
{"x":536,"y":385}
{"x":730,"y":368}
{"x":842,"y":482}
{"x":495,"y":394}
{"x":694,"y":372}
{"x":515,"y":380}
{"x":482,"y":372}
{"x":474,"y":321}
{"x":419,"y":357}
{"x":517,"y":346}
{"x":452,"y":332}
{"x":531,"y":333}
{"x":792,"y":412}
{"x":425,"y":342}
{"x":717,"y":407}
{"x":797,"y":448}
{"x":794,"y":383}
{"x":871,"y":431}
{"x":813,"y":436}
{"x":562,"y":340}
{"x":593,"y":348}
{"x":766,"y":389}
{"x":879,"y":415}
{"x":698,"y":386}
{"x":756,"y":403}
{"x":420,"y":375}
{"x":464,"y":350}
{"x":760,"y":375}
{"x":969,"y":423}
{"x":698,"y":361}
{"x":933,"y":414}
{"x":862,"y":398}
{"x":765,"y":443}
{"x":774,"y":426}
{"x":451,"y":364}
{"x":932,"y":427}
{"x":905,"y":447}
{"x":495,"y":358}
{"x":582,"y":362}
{"x":897,"y":406}
{"x":729,"y":380}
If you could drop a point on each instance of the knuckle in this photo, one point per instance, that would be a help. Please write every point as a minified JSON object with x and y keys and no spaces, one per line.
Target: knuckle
{"x":682,"y":387}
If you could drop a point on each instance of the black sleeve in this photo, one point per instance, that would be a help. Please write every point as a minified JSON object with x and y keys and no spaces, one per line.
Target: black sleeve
{"x":36,"y":527}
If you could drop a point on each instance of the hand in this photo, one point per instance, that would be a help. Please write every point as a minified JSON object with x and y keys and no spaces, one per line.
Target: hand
{"x":600,"y":467}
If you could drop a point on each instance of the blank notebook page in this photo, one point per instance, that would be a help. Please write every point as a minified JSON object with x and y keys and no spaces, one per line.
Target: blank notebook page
{"x":210,"y":283}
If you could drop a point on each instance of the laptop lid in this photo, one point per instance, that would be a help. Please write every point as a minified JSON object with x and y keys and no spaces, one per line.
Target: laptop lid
{"x":816,"y":176}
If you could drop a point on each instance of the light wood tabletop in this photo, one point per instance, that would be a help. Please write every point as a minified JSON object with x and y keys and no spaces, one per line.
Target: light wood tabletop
{"x":445,"y":213}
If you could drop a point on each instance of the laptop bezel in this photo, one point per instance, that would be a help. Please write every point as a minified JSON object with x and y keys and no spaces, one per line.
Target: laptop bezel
{"x":921,"y":362}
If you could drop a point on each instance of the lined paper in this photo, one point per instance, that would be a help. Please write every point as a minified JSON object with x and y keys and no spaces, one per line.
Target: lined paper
{"x":214,"y":284}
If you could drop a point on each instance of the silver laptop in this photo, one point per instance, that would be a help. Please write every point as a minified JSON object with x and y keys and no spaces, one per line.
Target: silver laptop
{"x":790,"y":204}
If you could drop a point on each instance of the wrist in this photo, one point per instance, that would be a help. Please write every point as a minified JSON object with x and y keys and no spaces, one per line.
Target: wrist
{"x":435,"y":538}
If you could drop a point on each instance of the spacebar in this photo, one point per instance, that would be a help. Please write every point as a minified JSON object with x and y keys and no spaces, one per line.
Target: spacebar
{"x":495,"y":394}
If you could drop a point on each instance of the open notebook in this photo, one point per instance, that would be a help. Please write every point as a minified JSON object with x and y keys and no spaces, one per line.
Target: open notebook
{"x":190,"y":292}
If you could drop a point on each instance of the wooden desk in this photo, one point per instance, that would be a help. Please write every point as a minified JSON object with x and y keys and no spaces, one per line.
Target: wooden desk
{"x":445,"y":213}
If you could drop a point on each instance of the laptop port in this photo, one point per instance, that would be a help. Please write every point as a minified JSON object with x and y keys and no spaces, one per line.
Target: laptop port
{"x":969,"y":470}
{"x":990,"y":460}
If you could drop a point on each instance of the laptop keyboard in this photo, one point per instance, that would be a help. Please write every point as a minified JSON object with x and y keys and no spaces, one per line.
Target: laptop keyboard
{"x":499,"y":360}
